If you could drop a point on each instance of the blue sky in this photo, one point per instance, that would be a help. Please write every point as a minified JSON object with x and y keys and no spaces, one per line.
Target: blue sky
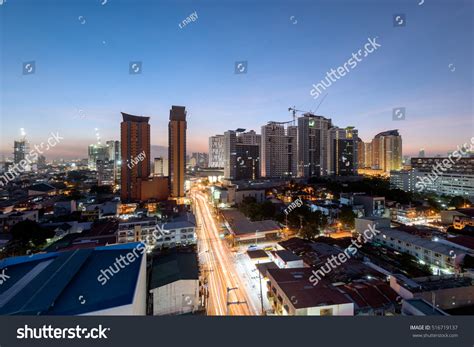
{"x":82,"y":79}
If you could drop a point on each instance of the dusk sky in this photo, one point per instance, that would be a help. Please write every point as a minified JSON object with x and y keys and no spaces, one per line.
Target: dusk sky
{"x":82,"y":51}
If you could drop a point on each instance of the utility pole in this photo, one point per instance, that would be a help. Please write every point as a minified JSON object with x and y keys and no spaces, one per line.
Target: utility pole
{"x":234,"y":302}
{"x":260,"y":282}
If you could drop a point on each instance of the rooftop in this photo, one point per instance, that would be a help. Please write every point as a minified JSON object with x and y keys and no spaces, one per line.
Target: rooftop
{"x":241,"y":225}
{"x":286,"y":255}
{"x":259,"y":253}
{"x":51,"y":283}
{"x":172,"y":267}
{"x":131,"y":118}
{"x":434,"y":246}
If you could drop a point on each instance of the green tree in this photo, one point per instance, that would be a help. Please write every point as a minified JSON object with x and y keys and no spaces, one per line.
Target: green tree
{"x":28,"y":234}
{"x":459,"y":202}
{"x":309,"y":231}
{"x":347,"y":217}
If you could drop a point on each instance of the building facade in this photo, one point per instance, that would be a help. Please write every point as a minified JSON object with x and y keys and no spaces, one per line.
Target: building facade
{"x":216,"y":151}
{"x":177,"y":150}
{"x":343,"y":151}
{"x":279,"y":150}
{"x":135,"y":139}
{"x":241,"y":155}
{"x":313,"y":147}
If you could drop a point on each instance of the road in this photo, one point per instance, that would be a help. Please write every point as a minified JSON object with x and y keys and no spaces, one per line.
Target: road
{"x":219,"y":265}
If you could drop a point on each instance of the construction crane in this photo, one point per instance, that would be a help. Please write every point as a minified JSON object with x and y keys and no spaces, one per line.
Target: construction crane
{"x":294,"y":113}
{"x":295,"y":110}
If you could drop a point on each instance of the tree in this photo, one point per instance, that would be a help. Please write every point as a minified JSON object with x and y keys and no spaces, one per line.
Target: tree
{"x":459,"y":202}
{"x":28,"y":234}
{"x":99,"y":190}
{"x":309,"y":231}
{"x":347,"y":217}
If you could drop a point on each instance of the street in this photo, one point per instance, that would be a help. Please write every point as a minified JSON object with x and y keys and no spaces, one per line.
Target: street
{"x":220,"y":267}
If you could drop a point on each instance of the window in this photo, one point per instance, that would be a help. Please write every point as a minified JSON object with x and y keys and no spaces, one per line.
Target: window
{"x":325,"y":312}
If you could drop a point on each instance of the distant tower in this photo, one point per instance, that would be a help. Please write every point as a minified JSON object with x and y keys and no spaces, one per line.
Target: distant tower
{"x":177,"y":150}
{"x":421,"y":154}
{"x":20,"y":147}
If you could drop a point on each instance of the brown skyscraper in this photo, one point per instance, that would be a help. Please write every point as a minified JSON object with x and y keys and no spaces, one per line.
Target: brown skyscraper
{"x":177,"y":150}
{"x":135,"y":145}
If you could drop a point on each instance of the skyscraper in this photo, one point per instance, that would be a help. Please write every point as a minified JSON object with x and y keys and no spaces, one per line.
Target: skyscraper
{"x":278,"y":150}
{"x":216,"y":151}
{"x":96,"y":152}
{"x":20,"y":148}
{"x":313,"y":145}
{"x":160,"y":167}
{"x":177,"y":150}
{"x":387,"y":151}
{"x":241,"y":155}
{"x":114,"y":155}
{"x":135,"y":139}
{"x":343,"y":151}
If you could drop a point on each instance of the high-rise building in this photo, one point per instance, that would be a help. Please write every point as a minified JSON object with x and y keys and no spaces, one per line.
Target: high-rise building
{"x":421,"y":154}
{"x":135,"y":140}
{"x":198,"y":159}
{"x":114,"y":155}
{"x":360,"y":153}
{"x":41,"y":162}
{"x":241,"y":155}
{"x":20,"y":149}
{"x":105,"y":172}
{"x":177,"y":150}
{"x":343,"y":151}
{"x":96,"y":152}
{"x":216,"y":151}
{"x":387,"y":151}
{"x":278,"y":150}
{"x":313,"y":145}
{"x":160,"y":167}
{"x":113,"y":150}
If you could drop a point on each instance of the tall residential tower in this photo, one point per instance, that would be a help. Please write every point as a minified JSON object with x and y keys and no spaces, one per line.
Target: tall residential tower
{"x":177,"y":150}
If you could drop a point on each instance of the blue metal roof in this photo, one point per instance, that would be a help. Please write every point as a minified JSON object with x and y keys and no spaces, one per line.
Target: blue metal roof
{"x":66,"y":283}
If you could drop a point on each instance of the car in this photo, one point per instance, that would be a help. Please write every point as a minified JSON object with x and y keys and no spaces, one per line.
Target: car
{"x":252,"y":248}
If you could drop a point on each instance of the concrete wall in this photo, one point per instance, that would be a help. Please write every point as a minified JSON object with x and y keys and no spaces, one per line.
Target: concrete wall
{"x":176,"y":298}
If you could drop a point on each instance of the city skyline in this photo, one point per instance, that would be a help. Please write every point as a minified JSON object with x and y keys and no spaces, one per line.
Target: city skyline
{"x":73,"y":91}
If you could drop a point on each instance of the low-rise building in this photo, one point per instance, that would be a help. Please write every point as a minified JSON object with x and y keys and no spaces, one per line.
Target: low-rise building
{"x":242,"y":230}
{"x":8,"y":220}
{"x":286,"y":259}
{"x":373,"y":205}
{"x":181,"y":230}
{"x":174,"y":283}
{"x":79,"y":282}
{"x":439,"y":254}
{"x":137,"y":229}
{"x":291,"y":294}
{"x":445,"y":292}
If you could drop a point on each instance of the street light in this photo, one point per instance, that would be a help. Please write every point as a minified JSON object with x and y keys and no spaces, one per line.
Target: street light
{"x":234,"y":302}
